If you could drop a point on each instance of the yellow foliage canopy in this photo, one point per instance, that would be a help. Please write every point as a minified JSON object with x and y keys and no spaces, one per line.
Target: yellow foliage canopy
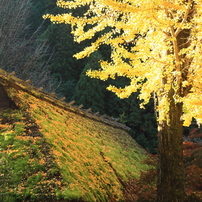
{"x":155,"y":43}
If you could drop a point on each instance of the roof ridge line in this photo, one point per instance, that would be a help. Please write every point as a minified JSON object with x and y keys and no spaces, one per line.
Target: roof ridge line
{"x":53,"y":99}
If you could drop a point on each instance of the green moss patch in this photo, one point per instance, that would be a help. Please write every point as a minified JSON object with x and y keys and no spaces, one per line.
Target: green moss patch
{"x":27,"y":171}
{"x":94,"y":159}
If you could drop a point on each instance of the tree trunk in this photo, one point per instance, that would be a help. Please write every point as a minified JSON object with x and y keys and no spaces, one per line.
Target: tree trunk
{"x":170,"y":185}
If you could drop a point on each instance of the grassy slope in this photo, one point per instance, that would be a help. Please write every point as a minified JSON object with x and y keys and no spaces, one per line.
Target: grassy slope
{"x":58,"y":154}
{"x":27,"y":170}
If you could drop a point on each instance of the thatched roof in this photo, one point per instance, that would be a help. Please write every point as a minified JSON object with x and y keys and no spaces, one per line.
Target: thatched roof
{"x":53,"y":151}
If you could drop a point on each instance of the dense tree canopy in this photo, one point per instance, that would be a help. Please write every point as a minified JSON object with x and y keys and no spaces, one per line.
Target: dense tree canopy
{"x":157,"y":54}
{"x":157,"y":45}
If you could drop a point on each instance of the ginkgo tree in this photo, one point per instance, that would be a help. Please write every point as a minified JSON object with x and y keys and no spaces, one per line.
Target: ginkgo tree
{"x":157,"y":45}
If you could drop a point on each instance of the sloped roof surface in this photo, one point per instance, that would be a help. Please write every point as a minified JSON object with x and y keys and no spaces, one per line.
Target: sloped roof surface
{"x":68,"y":154}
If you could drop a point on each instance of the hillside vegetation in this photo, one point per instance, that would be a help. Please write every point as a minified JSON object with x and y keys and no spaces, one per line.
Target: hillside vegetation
{"x":49,"y":153}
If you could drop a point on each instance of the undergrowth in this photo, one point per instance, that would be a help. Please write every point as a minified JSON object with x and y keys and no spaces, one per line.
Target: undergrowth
{"x":145,"y":186}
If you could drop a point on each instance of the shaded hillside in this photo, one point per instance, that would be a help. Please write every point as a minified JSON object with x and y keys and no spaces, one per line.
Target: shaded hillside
{"x":52,"y":151}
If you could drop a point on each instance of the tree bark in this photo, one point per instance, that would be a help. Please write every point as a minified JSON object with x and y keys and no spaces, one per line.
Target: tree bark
{"x":170,"y":185}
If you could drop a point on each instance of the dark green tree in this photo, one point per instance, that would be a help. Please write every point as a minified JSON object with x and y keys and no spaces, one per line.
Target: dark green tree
{"x":35,"y":20}
{"x":90,"y":92}
{"x":64,"y":67}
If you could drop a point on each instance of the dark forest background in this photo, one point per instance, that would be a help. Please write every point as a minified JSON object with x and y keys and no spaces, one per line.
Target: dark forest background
{"x":43,"y":52}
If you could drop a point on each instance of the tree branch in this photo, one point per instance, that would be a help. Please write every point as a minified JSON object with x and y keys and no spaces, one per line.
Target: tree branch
{"x":184,"y":18}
